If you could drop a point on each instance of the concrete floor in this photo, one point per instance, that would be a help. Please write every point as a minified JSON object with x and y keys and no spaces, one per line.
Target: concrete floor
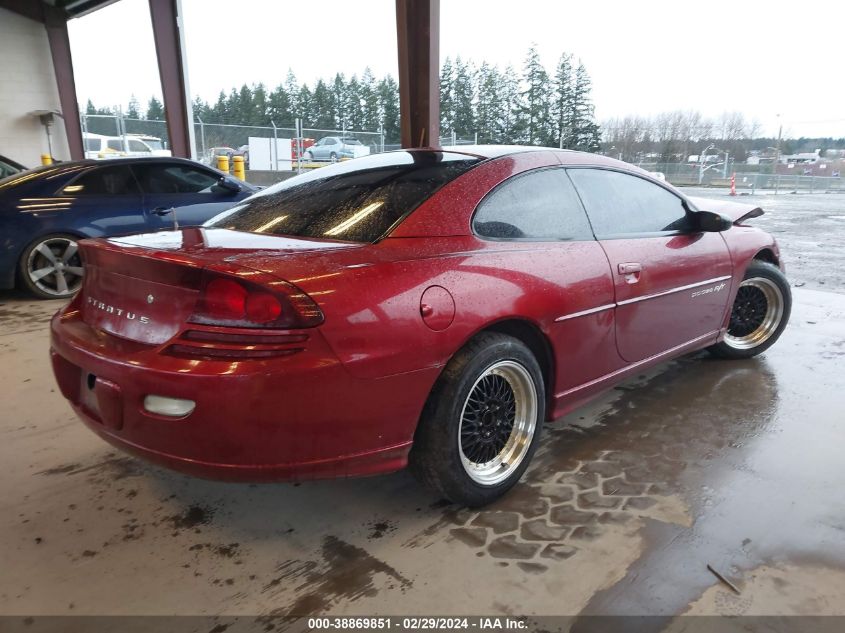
{"x":736,"y":465}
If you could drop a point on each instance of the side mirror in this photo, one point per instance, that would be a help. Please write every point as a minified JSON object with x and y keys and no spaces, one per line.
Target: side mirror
{"x":710,"y":222}
{"x":228,"y":185}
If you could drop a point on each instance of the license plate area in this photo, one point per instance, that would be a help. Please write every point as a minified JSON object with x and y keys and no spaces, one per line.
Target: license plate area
{"x":102,"y":400}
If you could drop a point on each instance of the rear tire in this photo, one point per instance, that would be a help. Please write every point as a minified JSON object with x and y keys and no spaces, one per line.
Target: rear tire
{"x":51,"y":267}
{"x":481,"y":423}
{"x":759,"y":314}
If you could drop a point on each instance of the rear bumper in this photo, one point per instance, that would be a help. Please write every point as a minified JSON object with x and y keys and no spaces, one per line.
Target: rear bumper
{"x":292,"y":418}
{"x":383,"y":460}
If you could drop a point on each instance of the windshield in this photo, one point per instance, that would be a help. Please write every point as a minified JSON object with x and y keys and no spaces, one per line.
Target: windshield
{"x":357,"y":201}
{"x":7,"y":169}
{"x":153,"y":143}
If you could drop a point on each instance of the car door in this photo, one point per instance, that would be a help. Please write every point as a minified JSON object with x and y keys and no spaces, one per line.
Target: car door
{"x":539,"y":238}
{"x":672,"y":281}
{"x":181,"y":194}
{"x":318,"y":150}
{"x":104,"y":200}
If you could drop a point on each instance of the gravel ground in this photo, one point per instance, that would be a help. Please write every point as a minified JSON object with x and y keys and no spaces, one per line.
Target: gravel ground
{"x":810,"y":229}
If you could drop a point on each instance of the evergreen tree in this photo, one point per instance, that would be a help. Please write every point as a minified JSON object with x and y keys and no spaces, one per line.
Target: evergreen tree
{"x":219,"y":110}
{"x":279,"y":107}
{"x":563,"y":103}
{"x":323,"y":109}
{"x":133,"y":109}
{"x":354,"y":106}
{"x":339,"y":115}
{"x":511,"y":121}
{"x":292,"y":91}
{"x":498,"y":105}
{"x":155,"y":110}
{"x":370,"y":115}
{"x":304,"y":104}
{"x":447,"y":114}
{"x":536,"y":106}
{"x":586,"y":135}
{"x":463,"y":115}
{"x":201,"y":110}
{"x":388,"y":96}
{"x":244,"y":111}
{"x":233,"y":108}
{"x":489,"y":105}
{"x":259,"y":106}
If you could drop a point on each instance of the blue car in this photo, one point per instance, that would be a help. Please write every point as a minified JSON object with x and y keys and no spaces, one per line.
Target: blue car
{"x":45,"y":211}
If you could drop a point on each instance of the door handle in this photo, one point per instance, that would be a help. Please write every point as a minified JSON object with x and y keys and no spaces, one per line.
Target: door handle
{"x":162,"y":210}
{"x":630,"y":268}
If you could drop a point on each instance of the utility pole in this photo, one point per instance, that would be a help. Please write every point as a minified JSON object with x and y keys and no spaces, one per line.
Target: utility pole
{"x":777,"y":149}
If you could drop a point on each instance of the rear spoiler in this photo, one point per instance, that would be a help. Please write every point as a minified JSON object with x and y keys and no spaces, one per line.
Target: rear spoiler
{"x":736,"y":211}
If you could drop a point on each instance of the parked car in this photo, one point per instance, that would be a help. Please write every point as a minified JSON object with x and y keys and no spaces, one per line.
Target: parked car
{"x":45,"y":211}
{"x":212,"y":154}
{"x":333,"y":148}
{"x":431,"y":307}
{"x":9,"y":167}
{"x":243,"y":150}
{"x":98,"y":146}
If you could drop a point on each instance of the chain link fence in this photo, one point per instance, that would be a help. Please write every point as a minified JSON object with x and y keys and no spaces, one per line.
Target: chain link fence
{"x":286,"y":148}
{"x":748,"y":178}
{"x":274,"y":148}
{"x":780,"y":183}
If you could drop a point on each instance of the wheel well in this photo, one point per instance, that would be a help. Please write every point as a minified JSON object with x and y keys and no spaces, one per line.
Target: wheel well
{"x":537,"y":342}
{"x":767,"y":255}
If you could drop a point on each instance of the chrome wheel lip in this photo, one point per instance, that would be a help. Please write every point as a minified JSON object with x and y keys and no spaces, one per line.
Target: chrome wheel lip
{"x":63,"y":268}
{"x":771,"y":320}
{"x":516,"y":448}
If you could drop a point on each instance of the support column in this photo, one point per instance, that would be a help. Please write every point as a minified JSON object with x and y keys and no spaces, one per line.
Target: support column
{"x":55,"y":22}
{"x":168,"y":33}
{"x":418,"y":41}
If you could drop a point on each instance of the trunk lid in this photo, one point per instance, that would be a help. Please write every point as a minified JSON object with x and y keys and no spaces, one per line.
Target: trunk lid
{"x":145,"y":287}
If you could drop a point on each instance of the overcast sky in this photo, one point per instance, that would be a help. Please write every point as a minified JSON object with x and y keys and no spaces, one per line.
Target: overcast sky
{"x":762,"y":58}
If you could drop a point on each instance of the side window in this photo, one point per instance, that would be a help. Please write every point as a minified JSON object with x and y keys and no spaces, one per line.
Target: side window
{"x":104,"y":181}
{"x":138,"y":146}
{"x":115,"y":143}
{"x":92,"y":145}
{"x":173,"y":178}
{"x":538,"y":205}
{"x":620,"y":204}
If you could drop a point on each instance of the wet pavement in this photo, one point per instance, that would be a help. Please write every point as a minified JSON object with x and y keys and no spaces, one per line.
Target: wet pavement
{"x":735,"y":465}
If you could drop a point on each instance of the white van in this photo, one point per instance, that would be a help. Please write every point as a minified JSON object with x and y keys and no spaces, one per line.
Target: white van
{"x":100,"y":146}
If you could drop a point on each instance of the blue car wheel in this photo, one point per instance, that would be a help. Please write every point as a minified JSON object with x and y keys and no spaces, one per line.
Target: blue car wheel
{"x":51,"y":268}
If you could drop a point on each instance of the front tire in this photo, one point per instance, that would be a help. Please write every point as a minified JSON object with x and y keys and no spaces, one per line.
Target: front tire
{"x":481,"y":423}
{"x":51,"y":267}
{"x":759,"y":314}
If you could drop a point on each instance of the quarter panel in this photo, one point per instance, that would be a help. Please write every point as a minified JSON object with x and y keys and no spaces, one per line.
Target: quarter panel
{"x":373,"y":320}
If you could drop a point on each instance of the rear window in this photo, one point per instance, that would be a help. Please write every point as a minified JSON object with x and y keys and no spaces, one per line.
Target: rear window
{"x":356,"y":201}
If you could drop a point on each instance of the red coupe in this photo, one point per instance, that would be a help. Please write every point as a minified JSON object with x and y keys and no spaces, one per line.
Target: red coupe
{"x":426,"y":307}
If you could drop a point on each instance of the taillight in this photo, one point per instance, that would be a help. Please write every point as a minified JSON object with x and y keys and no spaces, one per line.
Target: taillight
{"x":234,"y":302}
